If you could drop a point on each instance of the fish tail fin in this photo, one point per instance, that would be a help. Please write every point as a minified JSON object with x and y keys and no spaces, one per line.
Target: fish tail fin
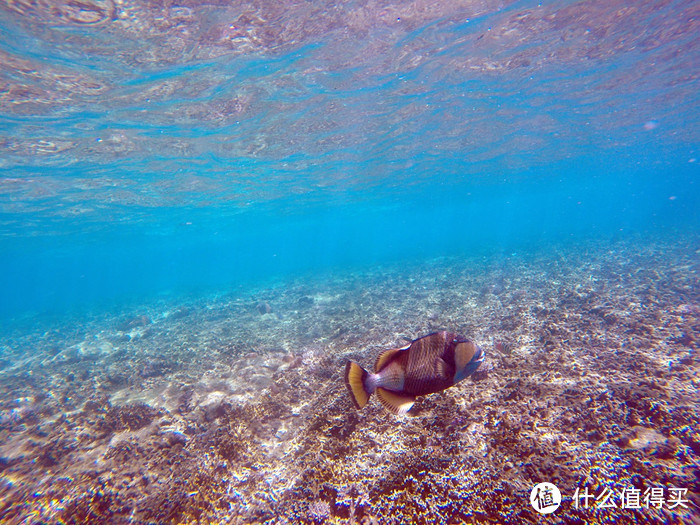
{"x":355,"y":377}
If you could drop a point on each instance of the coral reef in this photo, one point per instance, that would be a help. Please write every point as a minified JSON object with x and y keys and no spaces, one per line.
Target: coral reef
{"x":232,"y":408}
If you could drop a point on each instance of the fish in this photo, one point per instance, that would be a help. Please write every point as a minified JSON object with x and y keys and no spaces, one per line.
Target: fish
{"x":428,"y":365}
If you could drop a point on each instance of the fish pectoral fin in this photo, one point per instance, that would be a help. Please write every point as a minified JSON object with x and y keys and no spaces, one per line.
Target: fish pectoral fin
{"x":394,"y":402}
{"x":441,"y":368}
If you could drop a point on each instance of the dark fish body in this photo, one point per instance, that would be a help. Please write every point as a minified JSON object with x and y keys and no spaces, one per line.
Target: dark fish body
{"x":428,"y":365}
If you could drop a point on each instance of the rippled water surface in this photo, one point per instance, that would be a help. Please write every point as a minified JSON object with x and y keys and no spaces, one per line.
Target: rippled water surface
{"x":182,"y":128}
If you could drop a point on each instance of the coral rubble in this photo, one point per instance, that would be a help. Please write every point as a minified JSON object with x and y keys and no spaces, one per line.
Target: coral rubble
{"x":232,"y":409}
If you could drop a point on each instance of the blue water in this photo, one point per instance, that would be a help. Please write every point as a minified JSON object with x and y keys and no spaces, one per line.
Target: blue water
{"x":151,"y":150}
{"x":207,"y":208}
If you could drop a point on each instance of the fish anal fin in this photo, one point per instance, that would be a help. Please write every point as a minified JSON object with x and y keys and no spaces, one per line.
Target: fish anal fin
{"x":355,"y":377}
{"x":385,"y":357}
{"x":394,"y":402}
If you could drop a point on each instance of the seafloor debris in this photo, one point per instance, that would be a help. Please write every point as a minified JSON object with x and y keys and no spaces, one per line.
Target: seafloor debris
{"x":215,"y":411}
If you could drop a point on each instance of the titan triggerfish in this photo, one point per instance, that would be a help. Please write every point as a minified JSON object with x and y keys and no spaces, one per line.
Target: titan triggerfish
{"x":428,"y":365}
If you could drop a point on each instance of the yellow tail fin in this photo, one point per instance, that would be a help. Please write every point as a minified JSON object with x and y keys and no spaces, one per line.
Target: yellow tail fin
{"x":355,"y":381}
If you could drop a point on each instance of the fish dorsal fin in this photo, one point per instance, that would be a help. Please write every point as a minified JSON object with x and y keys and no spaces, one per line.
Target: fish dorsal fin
{"x":394,"y":402}
{"x":385,"y":357}
{"x":464,"y":353}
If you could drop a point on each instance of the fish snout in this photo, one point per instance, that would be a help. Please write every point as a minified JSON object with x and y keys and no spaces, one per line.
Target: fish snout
{"x":476,"y":361}
{"x":479,"y":355}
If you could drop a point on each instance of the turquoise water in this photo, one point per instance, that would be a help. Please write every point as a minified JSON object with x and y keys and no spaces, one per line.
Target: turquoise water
{"x":207,"y":209}
{"x":164,"y":149}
